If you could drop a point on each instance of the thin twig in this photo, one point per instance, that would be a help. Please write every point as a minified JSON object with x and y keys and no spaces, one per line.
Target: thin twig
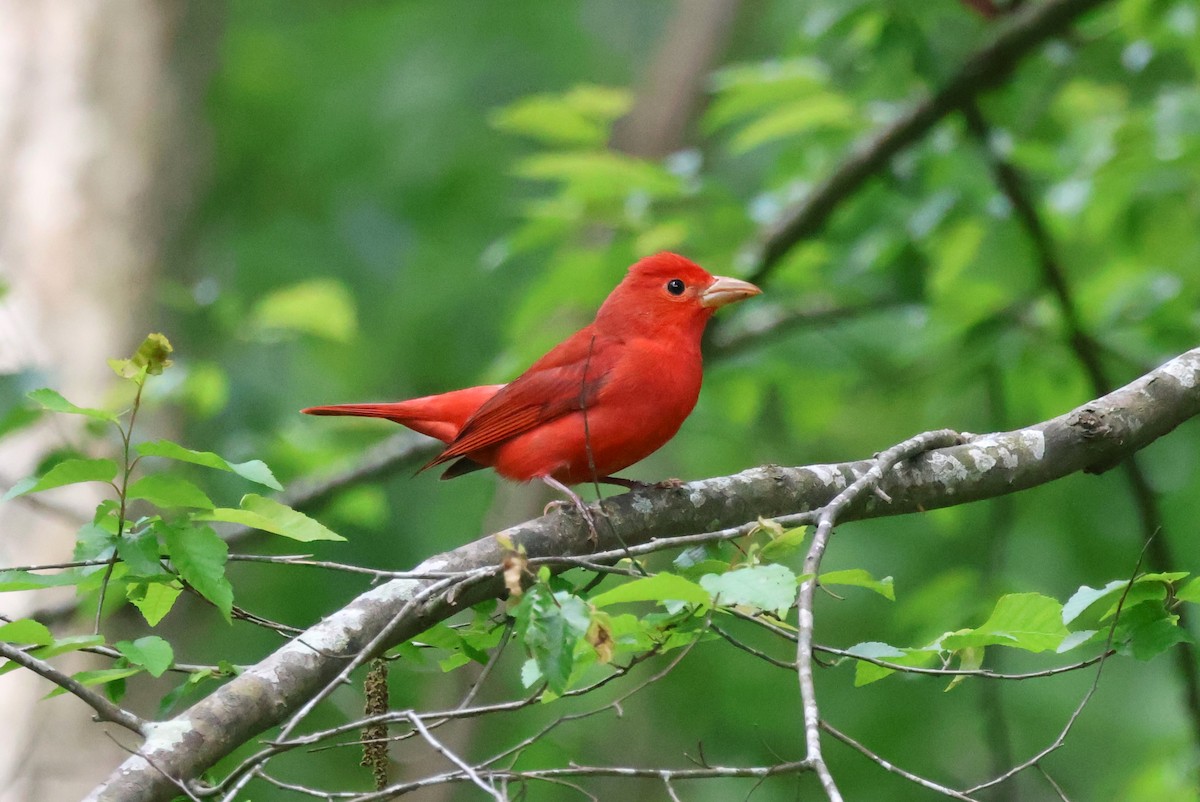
{"x":826,"y":517}
{"x":447,"y":753}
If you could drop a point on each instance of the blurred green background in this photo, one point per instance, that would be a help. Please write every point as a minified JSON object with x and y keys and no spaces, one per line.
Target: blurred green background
{"x":400,"y":198}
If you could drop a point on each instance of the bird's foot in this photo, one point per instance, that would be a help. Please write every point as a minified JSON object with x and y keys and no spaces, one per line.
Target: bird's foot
{"x":583,"y":509}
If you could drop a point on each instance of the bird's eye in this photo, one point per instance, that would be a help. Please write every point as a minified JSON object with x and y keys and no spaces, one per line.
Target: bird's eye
{"x":675,"y":286}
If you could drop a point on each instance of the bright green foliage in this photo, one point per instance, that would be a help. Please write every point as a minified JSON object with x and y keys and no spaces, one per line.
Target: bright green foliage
{"x":551,"y":626}
{"x":765,"y":588}
{"x":254,"y":470}
{"x":150,"y":652}
{"x":67,"y":472}
{"x":269,"y":515}
{"x":321,"y":307}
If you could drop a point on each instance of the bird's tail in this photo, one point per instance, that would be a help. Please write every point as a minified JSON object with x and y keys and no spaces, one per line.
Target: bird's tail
{"x":439,"y":416}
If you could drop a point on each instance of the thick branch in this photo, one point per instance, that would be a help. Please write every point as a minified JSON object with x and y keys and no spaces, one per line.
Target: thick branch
{"x":1098,"y":433}
{"x":986,"y":68}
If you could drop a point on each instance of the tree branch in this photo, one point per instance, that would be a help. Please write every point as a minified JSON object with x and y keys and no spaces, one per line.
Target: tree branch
{"x":1100,"y":432}
{"x":105,"y":710}
{"x":986,"y":68}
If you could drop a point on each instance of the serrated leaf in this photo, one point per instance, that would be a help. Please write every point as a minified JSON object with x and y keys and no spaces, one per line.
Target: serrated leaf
{"x":857,"y":577}
{"x":153,"y":599}
{"x":1149,"y":630}
{"x":661,"y":587}
{"x":150,"y":652}
{"x":199,"y":556}
{"x":164,"y":490}
{"x":321,"y":307}
{"x":254,"y":470}
{"x":1028,"y":621}
{"x":550,"y":626}
{"x":762,"y":587}
{"x":140,"y":553}
{"x":67,"y":472}
{"x":271,"y":516}
{"x":26,"y":630}
{"x":53,"y":401}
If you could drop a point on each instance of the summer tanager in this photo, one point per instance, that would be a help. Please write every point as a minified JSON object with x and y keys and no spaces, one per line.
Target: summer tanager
{"x":609,"y":395}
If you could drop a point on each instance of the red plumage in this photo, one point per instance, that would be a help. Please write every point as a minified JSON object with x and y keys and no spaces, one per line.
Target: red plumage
{"x":608,"y":396}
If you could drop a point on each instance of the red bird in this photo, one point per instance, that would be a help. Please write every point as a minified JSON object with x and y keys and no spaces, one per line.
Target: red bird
{"x":608,"y":396}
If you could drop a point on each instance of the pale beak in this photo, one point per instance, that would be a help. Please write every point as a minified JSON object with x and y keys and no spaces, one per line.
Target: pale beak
{"x":725,"y":290}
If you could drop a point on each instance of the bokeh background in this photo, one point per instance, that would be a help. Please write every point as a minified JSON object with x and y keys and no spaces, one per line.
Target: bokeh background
{"x":323,"y":202}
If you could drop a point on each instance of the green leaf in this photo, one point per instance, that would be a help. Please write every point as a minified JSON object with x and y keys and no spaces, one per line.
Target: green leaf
{"x":550,"y":627}
{"x":200,"y":555}
{"x":818,"y":111}
{"x":67,"y":472}
{"x":164,"y":490}
{"x":271,"y":516}
{"x":101,"y":677}
{"x":762,"y":587}
{"x":1190,"y":592}
{"x":1086,"y":596}
{"x":1149,"y":630}
{"x":140,"y":553}
{"x":865,"y":673}
{"x":658,"y":588}
{"x":1028,"y":621}
{"x":254,"y":470}
{"x":51,"y":400}
{"x":322,"y":307}
{"x":784,"y":544}
{"x":582,"y":116}
{"x":153,"y":599}
{"x":18,"y":418}
{"x":150,"y":652}
{"x":857,"y":577}
{"x":26,"y":630}
{"x":27,"y":580}
{"x":601,"y":175}
{"x":60,"y":646}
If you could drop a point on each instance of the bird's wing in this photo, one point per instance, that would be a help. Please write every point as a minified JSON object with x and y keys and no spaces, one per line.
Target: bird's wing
{"x":564,"y":380}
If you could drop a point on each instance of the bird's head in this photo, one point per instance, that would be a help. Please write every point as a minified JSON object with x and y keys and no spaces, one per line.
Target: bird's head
{"x":666,"y":292}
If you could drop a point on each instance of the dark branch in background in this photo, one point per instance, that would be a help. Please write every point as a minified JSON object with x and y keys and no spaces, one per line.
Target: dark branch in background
{"x":988,"y":67}
{"x":105,"y":710}
{"x":283,"y":683}
{"x":380,"y":460}
{"x":1087,"y":350}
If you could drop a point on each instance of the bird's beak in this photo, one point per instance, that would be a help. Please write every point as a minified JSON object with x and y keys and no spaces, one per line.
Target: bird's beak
{"x":725,"y":290}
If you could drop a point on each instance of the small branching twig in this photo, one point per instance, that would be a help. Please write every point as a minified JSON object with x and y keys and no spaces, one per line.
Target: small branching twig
{"x":826,"y":517}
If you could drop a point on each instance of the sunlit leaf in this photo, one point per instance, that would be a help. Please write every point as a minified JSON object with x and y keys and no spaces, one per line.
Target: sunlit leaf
{"x":271,"y":516}
{"x":53,"y":401}
{"x":67,"y":472}
{"x":1028,"y":621}
{"x":254,"y":470}
{"x":165,"y":490}
{"x":860,"y":578}
{"x":150,"y":652}
{"x":661,"y":587}
{"x":321,"y":307}
{"x":771,"y":588}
